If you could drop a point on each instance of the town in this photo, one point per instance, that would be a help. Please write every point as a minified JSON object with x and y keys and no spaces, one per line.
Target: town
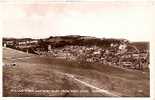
{"x":116,"y":52}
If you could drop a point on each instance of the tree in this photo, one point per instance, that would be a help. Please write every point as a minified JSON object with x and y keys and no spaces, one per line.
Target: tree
{"x":43,"y":45}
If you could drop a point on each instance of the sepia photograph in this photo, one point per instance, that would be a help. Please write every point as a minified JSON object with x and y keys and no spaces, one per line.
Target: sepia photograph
{"x":75,"y":66}
{"x":76,"y":49}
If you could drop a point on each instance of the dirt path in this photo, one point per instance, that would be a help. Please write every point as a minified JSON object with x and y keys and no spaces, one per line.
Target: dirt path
{"x":91,"y":86}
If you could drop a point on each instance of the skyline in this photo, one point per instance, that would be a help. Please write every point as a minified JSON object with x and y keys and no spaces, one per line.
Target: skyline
{"x":76,"y":35}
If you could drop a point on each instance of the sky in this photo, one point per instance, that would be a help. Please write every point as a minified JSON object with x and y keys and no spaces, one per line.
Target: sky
{"x":129,"y":19}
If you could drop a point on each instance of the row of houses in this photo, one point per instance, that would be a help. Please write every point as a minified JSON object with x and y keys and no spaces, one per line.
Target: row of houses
{"x":19,"y":43}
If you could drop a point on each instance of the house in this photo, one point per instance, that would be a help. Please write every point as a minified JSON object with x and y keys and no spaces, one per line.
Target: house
{"x":9,"y":42}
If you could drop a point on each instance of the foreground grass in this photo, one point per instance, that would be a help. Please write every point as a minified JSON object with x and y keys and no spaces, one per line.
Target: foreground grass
{"x":40,"y":73}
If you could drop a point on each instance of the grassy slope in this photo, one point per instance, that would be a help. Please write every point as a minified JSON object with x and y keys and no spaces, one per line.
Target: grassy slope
{"x":26,"y":75}
{"x":11,"y":53}
{"x":40,"y":73}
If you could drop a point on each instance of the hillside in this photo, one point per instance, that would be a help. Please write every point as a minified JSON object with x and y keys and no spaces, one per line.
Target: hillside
{"x":60,"y":41}
{"x":12,"y":53}
{"x":141,"y":45}
{"x":47,"y":74}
